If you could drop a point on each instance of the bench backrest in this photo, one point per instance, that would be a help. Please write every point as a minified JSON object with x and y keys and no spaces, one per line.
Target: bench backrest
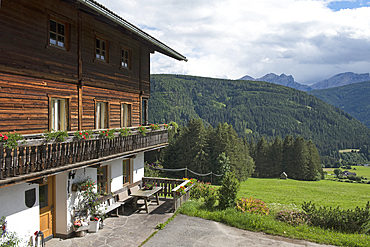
{"x":123,"y":195}
{"x":134,"y":189}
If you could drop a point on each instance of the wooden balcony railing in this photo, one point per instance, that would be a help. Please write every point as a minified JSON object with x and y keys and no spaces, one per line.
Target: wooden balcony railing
{"x":36,"y":157}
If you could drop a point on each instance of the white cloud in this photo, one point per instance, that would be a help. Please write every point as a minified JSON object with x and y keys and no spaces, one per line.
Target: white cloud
{"x":230,"y":39}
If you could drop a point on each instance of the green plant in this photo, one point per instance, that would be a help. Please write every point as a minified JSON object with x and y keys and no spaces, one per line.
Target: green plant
{"x":228,"y":190}
{"x":59,"y":136}
{"x":10,"y":140}
{"x":83,"y":134}
{"x":252,"y":205}
{"x":107,"y":134}
{"x":125,"y":131}
{"x":293,"y":218}
{"x":7,"y":238}
{"x":154,"y":126}
{"x":210,"y":196}
{"x":349,"y":221}
{"x":198,"y":190}
{"x":150,"y":170}
{"x":160,"y":226}
{"x":142,"y":130}
{"x":149,"y":186}
{"x":174,"y":125}
{"x":90,"y":197}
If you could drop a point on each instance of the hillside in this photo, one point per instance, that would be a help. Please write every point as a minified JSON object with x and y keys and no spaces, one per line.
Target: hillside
{"x":353,"y":99}
{"x":254,"y":109}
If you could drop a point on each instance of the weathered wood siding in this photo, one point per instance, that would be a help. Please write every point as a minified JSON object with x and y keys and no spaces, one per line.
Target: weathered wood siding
{"x":24,"y":45}
{"x":24,"y":103}
{"x":114,"y":99}
{"x":30,"y":69}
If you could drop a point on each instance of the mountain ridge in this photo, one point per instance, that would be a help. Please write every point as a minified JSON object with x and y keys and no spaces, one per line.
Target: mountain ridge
{"x":337,"y":80}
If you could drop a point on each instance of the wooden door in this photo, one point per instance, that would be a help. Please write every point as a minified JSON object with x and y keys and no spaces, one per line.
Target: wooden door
{"x":46,"y":203}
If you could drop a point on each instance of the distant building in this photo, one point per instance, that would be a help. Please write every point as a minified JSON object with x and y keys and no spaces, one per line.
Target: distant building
{"x":347,"y":173}
{"x":283,"y":176}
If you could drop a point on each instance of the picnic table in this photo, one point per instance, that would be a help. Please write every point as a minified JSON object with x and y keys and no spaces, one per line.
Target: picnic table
{"x":145,"y":194}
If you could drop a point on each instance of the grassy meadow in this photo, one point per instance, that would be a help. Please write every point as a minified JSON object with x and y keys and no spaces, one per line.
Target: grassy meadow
{"x":360,"y":171}
{"x":290,"y":194}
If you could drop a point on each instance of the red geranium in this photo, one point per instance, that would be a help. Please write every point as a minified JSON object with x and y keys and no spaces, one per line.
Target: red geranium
{"x":84,"y":137}
{"x":86,"y":133}
{"x":5,"y":137}
{"x":106,"y":134}
{"x":80,"y":133}
{"x":1,"y":135}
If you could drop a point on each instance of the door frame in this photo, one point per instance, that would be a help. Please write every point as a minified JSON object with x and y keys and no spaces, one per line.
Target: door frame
{"x":51,"y":200}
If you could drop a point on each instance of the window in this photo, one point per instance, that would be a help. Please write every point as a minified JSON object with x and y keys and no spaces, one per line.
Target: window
{"x":101,"y":49}
{"x":125,"y":58}
{"x":57,"y":33}
{"x":101,"y":180}
{"x":144,"y":111}
{"x":59,"y":114}
{"x":126,"y":171}
{"x":125,"y":115}
{"x":101,"y":116}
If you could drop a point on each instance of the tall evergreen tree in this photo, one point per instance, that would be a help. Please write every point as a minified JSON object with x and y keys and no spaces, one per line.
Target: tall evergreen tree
{"x":288,"y":164}
{"x":300,"y":159}
{"x":262,"y":162}
{"x":276,"y":157}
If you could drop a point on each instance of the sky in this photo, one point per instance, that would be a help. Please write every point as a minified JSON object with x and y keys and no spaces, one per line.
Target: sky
{"x":311,"y":40}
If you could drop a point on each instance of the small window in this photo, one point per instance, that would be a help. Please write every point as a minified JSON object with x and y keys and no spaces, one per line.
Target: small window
{"x":59,"y":114}
{"x":125,"y":58}
{"x":125,"y":115}
{"x":101,"y":180}
{"x":101,"y":49}
{"x":58,"y":33}
{"x":101,"y":116}
{"x":43,"y":195}
{"x":144,"y":111}
{"x":126,"y":171}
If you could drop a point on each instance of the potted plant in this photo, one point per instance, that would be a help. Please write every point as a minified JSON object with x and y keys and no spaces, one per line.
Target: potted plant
{"x":94,"y":224}
{"x":149,"y":186}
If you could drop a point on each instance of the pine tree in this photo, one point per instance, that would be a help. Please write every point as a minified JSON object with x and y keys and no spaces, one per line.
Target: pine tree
{"x":288,"y":164}
{"x":276,"y":157}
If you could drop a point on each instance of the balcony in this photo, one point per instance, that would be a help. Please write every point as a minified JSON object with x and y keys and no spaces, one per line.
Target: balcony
{"x":37,"y":158}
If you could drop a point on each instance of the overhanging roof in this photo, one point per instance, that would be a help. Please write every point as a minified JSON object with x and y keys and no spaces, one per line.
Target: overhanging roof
{"x":159,"y":46}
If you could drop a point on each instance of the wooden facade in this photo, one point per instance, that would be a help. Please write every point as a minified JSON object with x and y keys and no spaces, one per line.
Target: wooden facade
{"x":33,"y":69}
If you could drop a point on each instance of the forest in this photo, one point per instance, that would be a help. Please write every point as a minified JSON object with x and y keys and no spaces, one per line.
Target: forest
{"x":255,"y":110}
{"x":218,"y":150}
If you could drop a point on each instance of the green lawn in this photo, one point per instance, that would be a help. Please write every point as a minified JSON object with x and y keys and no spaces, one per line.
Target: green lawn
{"x":289,"y":193}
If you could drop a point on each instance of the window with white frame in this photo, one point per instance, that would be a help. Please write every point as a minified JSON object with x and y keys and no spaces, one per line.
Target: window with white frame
{"x":59,"y":114}
{"x":101,"y":115}
{"x":125,"y":115}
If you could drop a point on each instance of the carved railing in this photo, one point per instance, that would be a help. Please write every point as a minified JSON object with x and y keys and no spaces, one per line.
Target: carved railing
{"x":37,"y":156}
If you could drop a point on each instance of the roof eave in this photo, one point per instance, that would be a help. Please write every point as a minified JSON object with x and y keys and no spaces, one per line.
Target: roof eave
{"x":159,"y":46}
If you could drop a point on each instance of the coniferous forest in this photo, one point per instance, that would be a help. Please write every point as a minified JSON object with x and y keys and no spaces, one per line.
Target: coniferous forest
{"x":220,"y":150}
{"x":255,"y":110}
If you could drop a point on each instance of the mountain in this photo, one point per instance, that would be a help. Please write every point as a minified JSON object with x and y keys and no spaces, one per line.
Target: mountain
{"x":353,"y":99}
{"x":282,"y":79}
{"x":335,"y":81}
{"x":254,"y":109}
{"x":341,"y":80}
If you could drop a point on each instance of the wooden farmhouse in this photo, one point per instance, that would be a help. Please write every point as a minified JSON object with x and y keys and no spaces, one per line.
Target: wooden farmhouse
{"x":75,"y":66}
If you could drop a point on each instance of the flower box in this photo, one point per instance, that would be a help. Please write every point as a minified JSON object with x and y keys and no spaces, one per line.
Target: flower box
{"x":94,"y":226}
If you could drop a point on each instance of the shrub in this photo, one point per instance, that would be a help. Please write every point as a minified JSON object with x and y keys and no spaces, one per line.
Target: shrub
{"x":228,"y":190}
{"x":209,"y":196}
{"x":252,"y":206}
{"x":198,"y":190}
{"x":7,"y":238}
{"x":349,"y":221}
{"x":293,"y":218}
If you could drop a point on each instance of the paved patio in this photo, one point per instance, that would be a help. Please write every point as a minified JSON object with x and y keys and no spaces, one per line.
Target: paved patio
{"x":130,"y":229}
